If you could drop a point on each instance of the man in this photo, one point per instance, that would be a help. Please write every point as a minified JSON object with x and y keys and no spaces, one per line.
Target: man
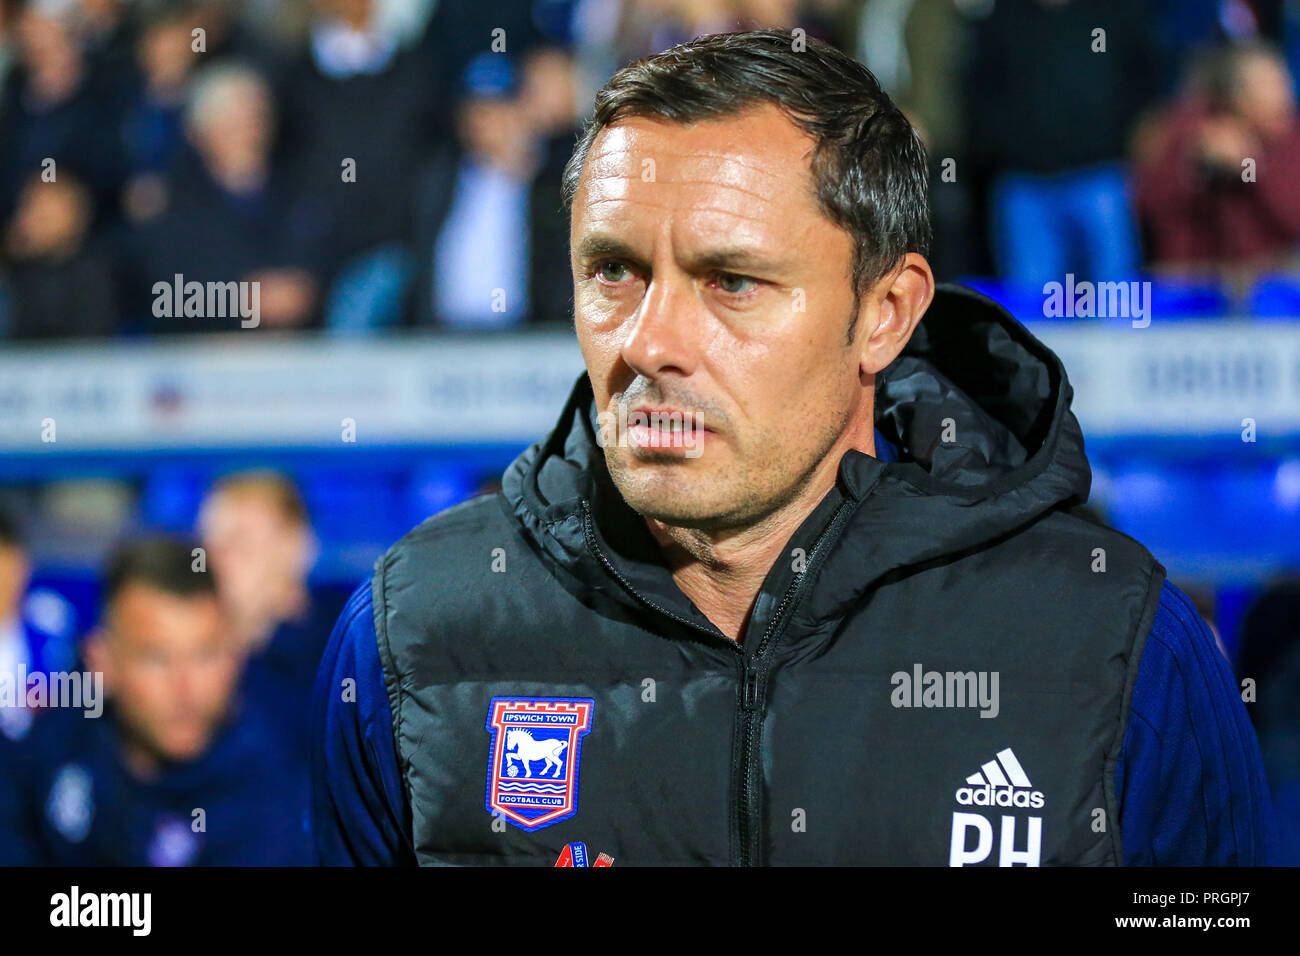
{"x":350,"y":162}
{"x":1059,"y":198}
{"x":492,"y":230}
{"x":764,"y":631}
{"x":175,"y":772}
{"x":231,"y":214}
{"x":1270,"y":647}
{"x":1218,"y":175}
{"x":475,"y":199}
{"x":60,"y":103}
{"x":258,"y":537}
{"x":60,"y":277}
{"x":25,"y":647}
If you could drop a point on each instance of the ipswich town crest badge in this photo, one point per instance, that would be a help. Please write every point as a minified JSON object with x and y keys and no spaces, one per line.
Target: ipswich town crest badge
{"x":533,"y":769}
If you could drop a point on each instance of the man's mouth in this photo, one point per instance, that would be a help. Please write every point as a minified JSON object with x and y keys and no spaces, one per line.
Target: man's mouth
{"x":665,"y":428}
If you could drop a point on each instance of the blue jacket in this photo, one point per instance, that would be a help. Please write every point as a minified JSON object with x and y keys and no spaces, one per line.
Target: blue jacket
{"x":66,"y":799}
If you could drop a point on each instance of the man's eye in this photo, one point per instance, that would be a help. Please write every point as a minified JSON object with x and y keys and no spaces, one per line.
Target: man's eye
{"x":618,"y":270}
{"x":733,"y":284}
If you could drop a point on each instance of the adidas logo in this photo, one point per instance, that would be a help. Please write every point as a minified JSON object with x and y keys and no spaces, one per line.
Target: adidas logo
{"x":1001,"y":782}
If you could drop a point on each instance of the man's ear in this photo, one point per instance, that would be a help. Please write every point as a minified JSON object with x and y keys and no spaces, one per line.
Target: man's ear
{"x":902,"y":296}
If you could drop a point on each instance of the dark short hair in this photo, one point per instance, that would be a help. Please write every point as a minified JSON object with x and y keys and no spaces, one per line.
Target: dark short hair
{"x":160,"y":562}
{"x":869,"y":166}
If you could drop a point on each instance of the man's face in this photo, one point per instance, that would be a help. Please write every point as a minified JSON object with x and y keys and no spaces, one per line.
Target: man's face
{"x":252,"y":547}
{"x":170,"y":667}
{"x":50,"y":216}
{"x":708,"y":282}
{"x":14,"y":575}
{"x":493,"y":127}
{"x":1266,"y":99}
{"x":239,"y":131}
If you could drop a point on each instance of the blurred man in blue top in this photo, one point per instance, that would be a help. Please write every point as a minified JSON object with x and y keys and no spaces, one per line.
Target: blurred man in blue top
{"x":177,"y":771}
{"x":25,"y":648}
{"x":261,"y":547}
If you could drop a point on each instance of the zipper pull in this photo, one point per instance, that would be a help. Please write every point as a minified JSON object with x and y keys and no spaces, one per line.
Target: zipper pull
{"x":749,"y":695}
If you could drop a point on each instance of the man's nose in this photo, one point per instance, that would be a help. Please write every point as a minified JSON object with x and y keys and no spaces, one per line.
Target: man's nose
{"x":664,"y":335}
{"x":181,"y":678}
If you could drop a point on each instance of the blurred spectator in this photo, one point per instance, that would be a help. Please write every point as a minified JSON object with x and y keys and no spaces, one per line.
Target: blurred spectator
{"x":175,"y":772}
{"x":548,"y":98}
{"x":916,"y":50}
{"x":458,"y":32}
{"x":548,"y":94}
{"x":1270,"y":630}
{"x":153,"y":127}
{"x":57,"y":109}
{"x":8,"y":54}
{"x":1186,"y":26}
{"x":608,"y":34}
{"x":493,"y":234}
{"x":59,"y":278}
{"x":1049,"y":109}
{"x":281,"y":25}
{"x":1270,"y":656}
{"x":108,"y":33}
{"x":229,"y":211}
{"x":1218,"y":176}
{"x":825,"y":19}
{"x":260,"y":544}
{"x":25,"y":648}
{"x":359,"y":113}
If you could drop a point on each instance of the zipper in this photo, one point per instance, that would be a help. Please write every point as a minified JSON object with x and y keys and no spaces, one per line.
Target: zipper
{"x":746,"y":826}
{"x":749,"y":689}
{"x":594,"y":547}
{"x":749,"y":771}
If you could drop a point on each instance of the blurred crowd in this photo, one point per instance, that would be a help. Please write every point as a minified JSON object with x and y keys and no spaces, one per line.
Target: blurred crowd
{"x":372,"y":164}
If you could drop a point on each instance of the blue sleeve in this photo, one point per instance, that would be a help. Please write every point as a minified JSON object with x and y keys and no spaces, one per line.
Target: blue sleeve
{"x":358,"y":810}
{"x":18,"y":846}
{"x":1190,"y":779}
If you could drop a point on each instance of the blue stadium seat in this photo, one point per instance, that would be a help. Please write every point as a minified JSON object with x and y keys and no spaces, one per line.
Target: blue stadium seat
{"x":1210,"y":512}
{"x":347,"y":506}
{"x":171,"y":496}
{"x":1275,"y":297}
{"x":436,"y":486}
{"x":1175,"y":299}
